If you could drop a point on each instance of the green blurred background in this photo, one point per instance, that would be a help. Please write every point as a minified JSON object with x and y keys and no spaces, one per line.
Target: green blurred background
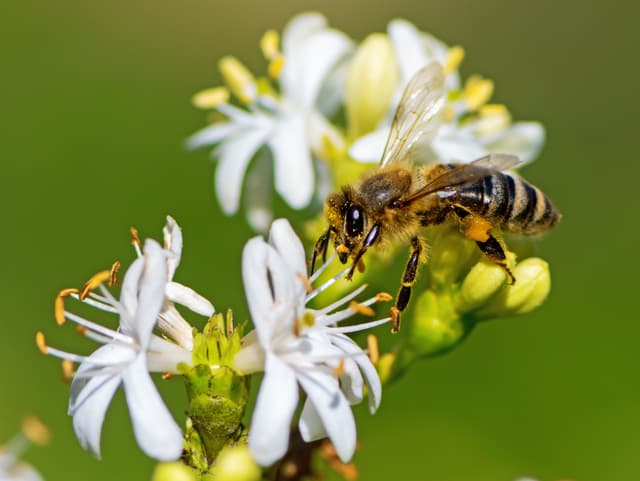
{"x":95,"y":109}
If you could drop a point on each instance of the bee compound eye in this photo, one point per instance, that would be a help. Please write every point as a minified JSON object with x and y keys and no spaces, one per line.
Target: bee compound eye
{"x":354,"y":222}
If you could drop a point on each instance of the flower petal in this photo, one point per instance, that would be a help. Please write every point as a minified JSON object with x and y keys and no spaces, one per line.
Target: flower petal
{"x":285,"y":241}
{"x":164,"y":356}
{"x":157,"y":433}
{"x":369,"y":148}
{"x":259,"y":193}
{"x":455,"y":145}
{"x":333,"y":409}
{"x":409,"y":47}
{"x":271,"y":421}
{"x":310,"y":425}
{"x":151,"y":291}
{"x":22,"y":472}
{"x":187,"y":297}
{"x":524,"y":139}
{"x":292,"y":159}
{"x":129,"y":294}
{"x":172,"y":243}
{"x":348,"y":346}
{"x":234,"y":156}
{"x":212,"y":134}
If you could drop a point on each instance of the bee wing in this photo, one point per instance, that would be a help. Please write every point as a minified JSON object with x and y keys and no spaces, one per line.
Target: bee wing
{"x":466,"y":174}
{"x":418,"y":115}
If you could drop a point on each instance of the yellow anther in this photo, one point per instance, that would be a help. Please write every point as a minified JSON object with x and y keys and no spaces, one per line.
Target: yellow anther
{"x":270,"y":44}
{"x":383,"y":297}
{"x":210,"y":98}
{"x":35,"y":430}
{"x":93,"y":282}
{"x":68,"y":370}
{"x":339,"y":369}
{"x":275,"y":66}
{"x":58,"y":305}
{"x":240,"y":80}
{"x":82,"y":330}
{"x":113,"y":274}
{"x":305,"y":281}
{"x":41,"y":343}
{"x":455,"y":55}
{"x":493,"y":109}
{"x":372,"y":349}
{"x":477,"y":91}
{"x":135,"y":239}
{"x":361,"y":309}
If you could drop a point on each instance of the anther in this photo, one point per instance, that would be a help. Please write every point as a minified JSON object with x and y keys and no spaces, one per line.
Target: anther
{"x":383,"y":297}
{"x":339,"y":369}
{"x":82,"y":330}
{"x":269,"y":44}
{"x":166,"y":376}
{"x":41,"y":343}
{"x":305,"y":281}
{"x":35,"y":430}
{"x":455,"y":55}
{"x":68,"y":370}
{"x":361,"y":309}
{"x":113,"y":274}
{"x":210,"y":98}
{"x":58,"y":306}
{"x":275,"y":66}
{"x":93,"y":282}
{"x":372,"y":349}
{"x":135,"y":239}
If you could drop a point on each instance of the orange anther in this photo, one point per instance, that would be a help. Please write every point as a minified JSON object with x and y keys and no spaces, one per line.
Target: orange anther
{"x":93,"y":282}
{"x":41,"y":343}
{"x":372,"y":348}
{"x":135,"y":239}
{"x":361,"y":309}
{"x":113,"y":274}
{"x":67,"y":370}
{"x":305,"y":281}
{"x":166,"y":376}
{"x":383,"y":297}
{"x":58,"y":305}
{"x":339,"y":369}
{"x":82,"y":330}
{"x":35,"y":430}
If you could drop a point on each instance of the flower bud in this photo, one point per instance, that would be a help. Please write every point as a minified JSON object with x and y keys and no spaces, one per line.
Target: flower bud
{"x":533,"y":282}
{"x":371,"y":83}
{"x":174,"y":471}
{"x":483,"y":281}
{"x":234,"y":463}
{"x":450,"y":257}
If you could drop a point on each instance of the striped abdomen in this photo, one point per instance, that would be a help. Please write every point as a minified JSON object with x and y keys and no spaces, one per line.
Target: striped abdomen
{"x":510,"y":203}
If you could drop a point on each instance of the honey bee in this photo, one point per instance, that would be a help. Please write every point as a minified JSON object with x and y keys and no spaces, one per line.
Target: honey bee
{"x":394,"y":202}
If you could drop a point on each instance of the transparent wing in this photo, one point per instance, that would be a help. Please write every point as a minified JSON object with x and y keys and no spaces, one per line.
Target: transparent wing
{"x":418,"y":116}
{"x":466,"y":174}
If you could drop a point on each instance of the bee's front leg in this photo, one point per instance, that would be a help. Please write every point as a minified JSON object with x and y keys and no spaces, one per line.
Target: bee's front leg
{"x":408,"y":279}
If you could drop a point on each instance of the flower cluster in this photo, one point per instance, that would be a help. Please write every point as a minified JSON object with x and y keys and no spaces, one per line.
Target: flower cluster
{"x":320,"y":72}
{"x":11,"y":468}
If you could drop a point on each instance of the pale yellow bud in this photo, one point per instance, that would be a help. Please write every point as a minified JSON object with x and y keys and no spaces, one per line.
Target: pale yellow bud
{"x":240,"y":80}
{"x":234,"y":463}
{"x":371,"y":83}
{"x":477,"y":91}
{"x":533,"y":282}
{"x":483,"y":282}
{"x":174,"y":471}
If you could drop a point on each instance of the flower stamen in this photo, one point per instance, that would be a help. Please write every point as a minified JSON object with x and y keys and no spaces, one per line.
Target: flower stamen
{"x":113,"y":274}
{"x":93,"y":282}
{"x":362,"y":309}
{"x":68,"y":370}
{"x":308,"y":287}
{"x":58,"y":306}
{"x":339,"y":369}
{"x":135,"y":240}
{"x":372,"y":349}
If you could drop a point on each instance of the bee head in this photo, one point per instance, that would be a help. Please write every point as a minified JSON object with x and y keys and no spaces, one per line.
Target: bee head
{"x":348,"y":221}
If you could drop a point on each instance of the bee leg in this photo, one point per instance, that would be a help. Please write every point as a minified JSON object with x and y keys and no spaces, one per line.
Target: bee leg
{"x":372,"y":237}
{"x":408,"y":279}
{"x":320,"y":248}
{"x":478,"y":229}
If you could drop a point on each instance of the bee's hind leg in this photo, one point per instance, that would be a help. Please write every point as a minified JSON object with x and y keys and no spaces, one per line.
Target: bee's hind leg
{"x":408,"y":279}
{"x":478,"y":229}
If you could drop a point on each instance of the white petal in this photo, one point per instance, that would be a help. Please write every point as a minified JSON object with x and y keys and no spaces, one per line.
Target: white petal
{"x":157,"y":433}
{"x":348,"y":346}
{"x":259,"y":193}
{"x":173,"y":243}
{"x":164,"y":356}
{"x":524,"y":139}
{"x":292,"y":159}
{"x":187,"y":297}
{"x":455,"y":145}
{"x":409,"y":47}
{"x":369,"y":148}
{"x":333,"y":409}
{"x":276,"y":403}
{"x":310,"y":425}
{"x":234,"y":157}
{"x":285,"y":241}
{"x":351,"y":382}
{"x":171,"y":323}
{"x":21,"y":472}
{"x":91,"y":395}
{"x":151,"y":291}
{"x":212,"y":134}
{"x":129,"y":294}
{"x":251,"y":357}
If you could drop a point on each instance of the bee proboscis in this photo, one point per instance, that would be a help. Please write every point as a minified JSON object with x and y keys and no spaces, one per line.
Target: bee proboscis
{"x":394,"y":202}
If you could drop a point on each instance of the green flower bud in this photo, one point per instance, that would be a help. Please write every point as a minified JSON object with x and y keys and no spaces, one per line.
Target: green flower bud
{"x":371,"y":83}
{"x":236,"y":464}
{"x":174,"y":471}
{"x":450,"y":257}
{"x":483,"y":281}
{"x":533,"y":282}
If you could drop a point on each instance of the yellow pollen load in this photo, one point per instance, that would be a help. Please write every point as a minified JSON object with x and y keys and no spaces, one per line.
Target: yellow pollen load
{"x":339,"y":369}
{"x":113,"y":274}
{"x":68,"y":370}
{"x":372,"y":348}
{"x":455,"y":55}
{"x":210,"y":98}
{"x":477,"y":91}
{"x":58,"y":305}
{"x":41,"y":343}
{"x":93,"y":282}
{"x":361,"y":309}
{"x":35,"y":430}
{"x":240,"y":80}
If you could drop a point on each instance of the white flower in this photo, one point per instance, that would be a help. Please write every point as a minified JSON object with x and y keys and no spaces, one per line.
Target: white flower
{"x":11,"y":468}
{"x":290,"y":123}
{"x":296,"y":345}
{"x":471,"y":128}
{"x":127,"y":356}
